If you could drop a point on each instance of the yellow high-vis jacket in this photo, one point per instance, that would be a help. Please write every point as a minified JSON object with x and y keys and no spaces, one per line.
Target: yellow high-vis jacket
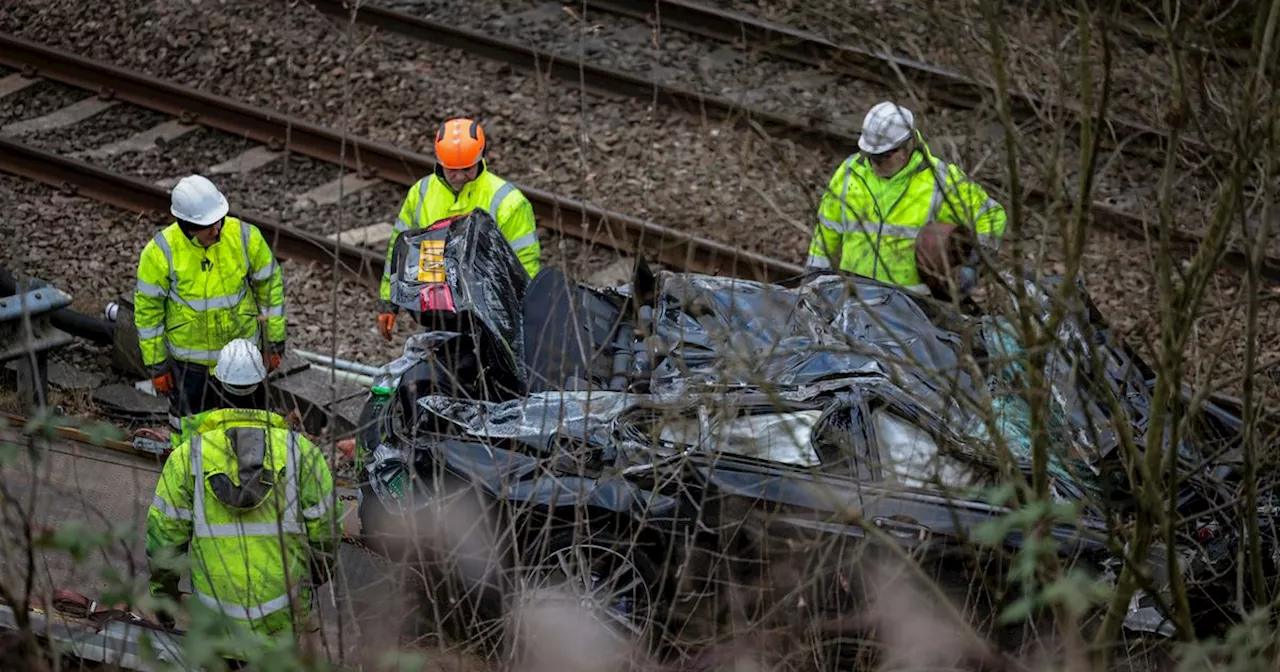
{"x":869,"y":224}
{"x":190,"y":300}
{"x":252,"y":504}
{"x":431,"y":199}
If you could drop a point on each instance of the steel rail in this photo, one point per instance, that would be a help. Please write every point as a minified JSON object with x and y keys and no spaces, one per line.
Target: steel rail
{"x":82,"y":179}
{"x":373,"y":159}
{"x":594,"y":78}
{"x":940,"y":84}
{"x":611,"y":81}
{"x":96,"y":438}
{"x":1150,"y":33}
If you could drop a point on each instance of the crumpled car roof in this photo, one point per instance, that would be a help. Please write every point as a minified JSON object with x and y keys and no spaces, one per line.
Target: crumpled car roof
{"x":738,"y":333}
{"x":835,"y":333}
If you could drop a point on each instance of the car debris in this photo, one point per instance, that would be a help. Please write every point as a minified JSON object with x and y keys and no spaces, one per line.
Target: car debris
{"x":109,"y":634}
{"x":683,"y":415}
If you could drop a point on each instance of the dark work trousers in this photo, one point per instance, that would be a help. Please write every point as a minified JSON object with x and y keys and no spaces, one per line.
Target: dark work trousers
{"x":191,"y":393}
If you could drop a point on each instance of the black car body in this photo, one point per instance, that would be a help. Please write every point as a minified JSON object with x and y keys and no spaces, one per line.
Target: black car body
{"x":684,"y":418}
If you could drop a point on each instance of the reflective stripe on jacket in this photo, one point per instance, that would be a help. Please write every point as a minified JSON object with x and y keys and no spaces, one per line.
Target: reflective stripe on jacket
{"x":431,"y":199}
{"x":191,"y":300}
{"x":252,"y":564}
{"x":871,"y":223}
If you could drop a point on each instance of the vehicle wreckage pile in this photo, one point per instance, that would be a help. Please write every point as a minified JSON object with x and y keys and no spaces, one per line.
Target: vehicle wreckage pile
{"x":681,"y":429}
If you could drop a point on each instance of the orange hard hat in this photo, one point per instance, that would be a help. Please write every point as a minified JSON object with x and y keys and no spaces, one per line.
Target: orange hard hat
{"x":459,"y":144}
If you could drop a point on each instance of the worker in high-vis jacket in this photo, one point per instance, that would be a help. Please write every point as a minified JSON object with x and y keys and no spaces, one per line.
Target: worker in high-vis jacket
{"x":250,"y":504}
{"x":461,"y":183}
{"x":204,"y":281}
{"x":881,"y":198}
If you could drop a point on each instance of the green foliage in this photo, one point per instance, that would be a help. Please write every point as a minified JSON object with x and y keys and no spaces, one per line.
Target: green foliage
{"x":8,"y":451}
{"x":1244,"y":648}
{"x":101,"y":432}
{"x":1073,"y":591}
{"x":209,"y":637}
{"x":1032,"y":515}
{"x":80,"y":540}
{"x":405,"y":662}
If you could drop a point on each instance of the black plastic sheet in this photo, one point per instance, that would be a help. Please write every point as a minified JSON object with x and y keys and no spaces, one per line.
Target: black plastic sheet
{"x":739,"y":333}
{"x":484,"y":276}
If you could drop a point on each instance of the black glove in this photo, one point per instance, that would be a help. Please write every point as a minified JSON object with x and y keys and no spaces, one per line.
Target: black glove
{"x":166,"y":620}
{"x":320,"y":573}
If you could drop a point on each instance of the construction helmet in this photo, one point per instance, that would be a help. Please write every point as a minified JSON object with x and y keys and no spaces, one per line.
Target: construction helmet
{"x":196,"y":200}
{"x":459,"y":144}
{"x":886,"y":126}
{"x":240,"y":367}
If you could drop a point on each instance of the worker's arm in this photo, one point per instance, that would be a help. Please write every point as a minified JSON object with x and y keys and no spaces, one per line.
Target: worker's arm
{"x":516,"y":221}
{"x":319,"y":510}
{"x":824,"y":249}
{"x":968,"y":204}
{"x":169,"y":522}
{"x":268,"y":288}
{"x":149,"y":298}
{"x":408,"y":219}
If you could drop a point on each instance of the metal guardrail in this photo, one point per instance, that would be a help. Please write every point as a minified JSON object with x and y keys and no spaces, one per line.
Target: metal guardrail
{"x":27,"y":335}
{"x":117,"y":643}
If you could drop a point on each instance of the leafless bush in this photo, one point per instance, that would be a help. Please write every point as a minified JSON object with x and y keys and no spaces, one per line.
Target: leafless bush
{"x":769,"y":598}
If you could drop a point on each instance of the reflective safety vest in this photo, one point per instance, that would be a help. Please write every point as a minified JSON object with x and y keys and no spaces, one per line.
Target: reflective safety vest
{"x":871,"y":223}
{"x":191,"y":300}
{"x":431,"y":199}
{"x":252,"y":502}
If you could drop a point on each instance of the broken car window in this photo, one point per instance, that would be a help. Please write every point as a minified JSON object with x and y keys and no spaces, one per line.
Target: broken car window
{"x":910,"y":456}
{"x":778,"y":437}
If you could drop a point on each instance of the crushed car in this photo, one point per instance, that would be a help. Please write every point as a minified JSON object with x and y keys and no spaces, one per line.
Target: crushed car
{"x":642,"y":440}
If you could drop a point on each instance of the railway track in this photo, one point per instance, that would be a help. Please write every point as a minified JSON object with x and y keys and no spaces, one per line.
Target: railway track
{"x":746,"y":33}
{"x":78,"y":178}
{"x":892,"y":72}
{"x":369,"y":162}
{"x":1153,"y":34}
{"x":789,"y":43}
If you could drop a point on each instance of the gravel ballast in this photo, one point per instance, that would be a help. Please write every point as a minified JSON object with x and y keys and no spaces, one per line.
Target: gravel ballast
{"x":621,"y":155}
{"x":1041,"y":43}
{"x":113,"y":124}
{"x":722,"y":183}
{"x":38,"y":100}
{"x":102,"y":265}
{"x":719,"y":182}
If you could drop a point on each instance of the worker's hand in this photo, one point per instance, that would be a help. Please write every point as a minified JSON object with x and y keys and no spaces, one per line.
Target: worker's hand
{"x":385,"y":323}
{"x":163,"y":383}
{"x":272,"y":361}
{"x":166,"y":620}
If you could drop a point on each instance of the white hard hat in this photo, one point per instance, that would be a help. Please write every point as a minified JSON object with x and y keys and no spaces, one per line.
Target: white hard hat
{"x":196,"y":200}
{"x":885,"y":127}
{"x":240,"y":365}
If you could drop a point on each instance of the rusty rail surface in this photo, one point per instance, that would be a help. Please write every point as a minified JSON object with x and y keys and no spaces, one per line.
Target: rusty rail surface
{"x":890,"y":71}
{"x":800,"y":130}
{"x":594,"y":78}
{"x":96,"y":437}
{"x":373,"y":159}
{"x":82,"y":179}
{"x":1211,"y":45}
